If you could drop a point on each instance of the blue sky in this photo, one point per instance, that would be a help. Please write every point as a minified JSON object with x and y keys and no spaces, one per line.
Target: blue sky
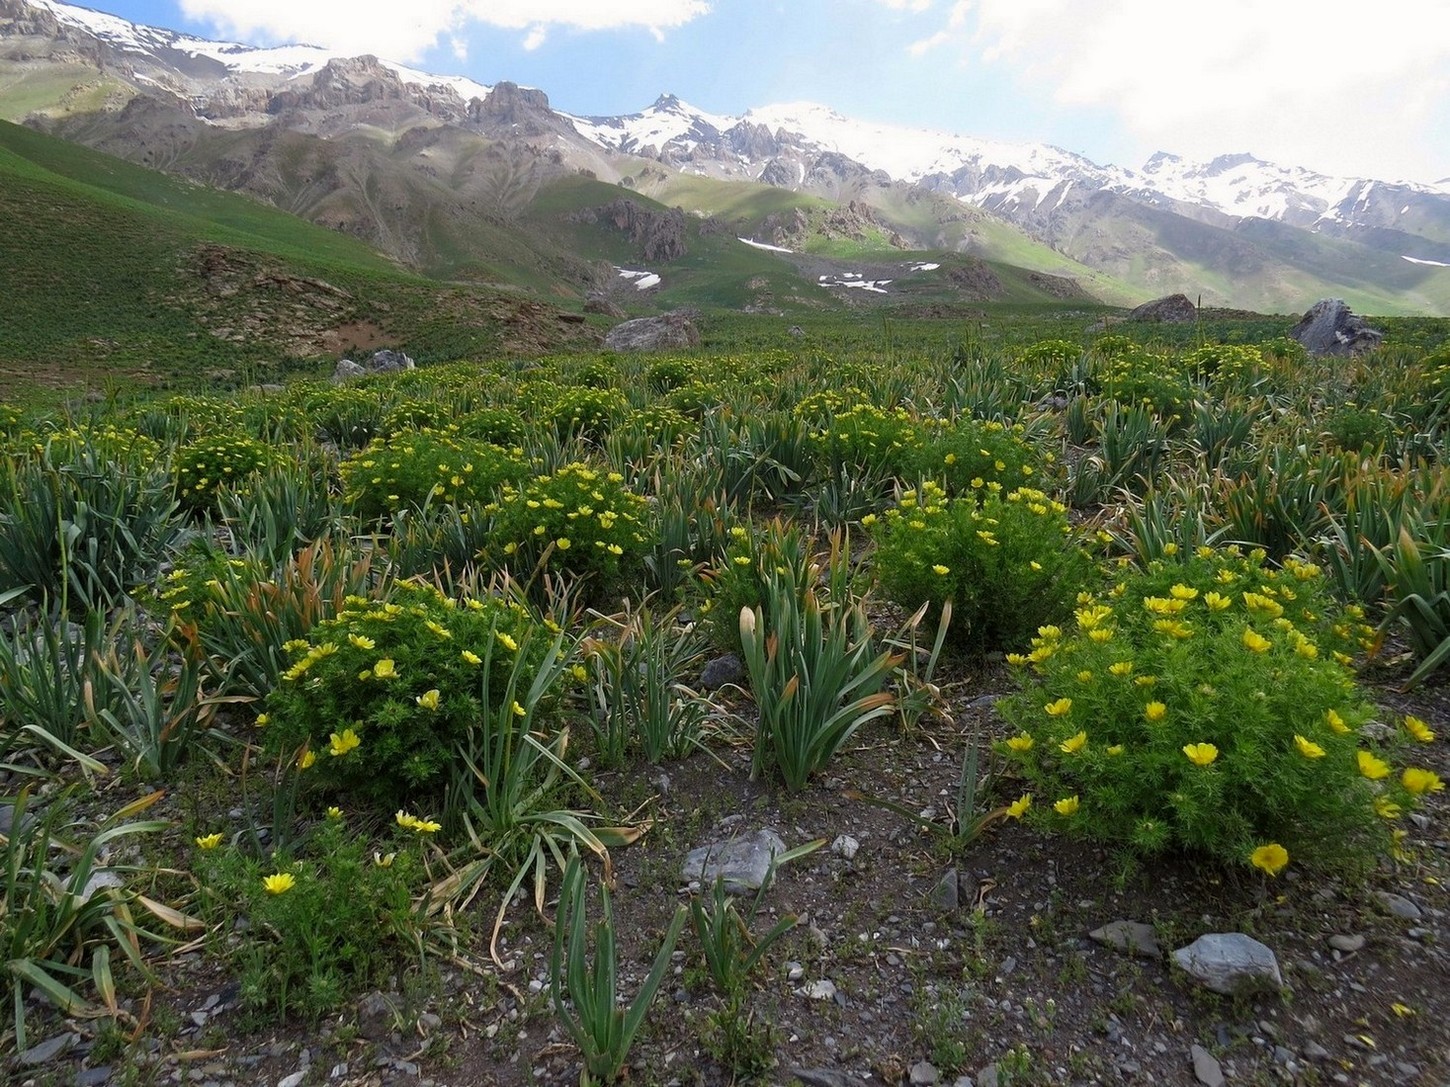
{"x":1115,"y":80}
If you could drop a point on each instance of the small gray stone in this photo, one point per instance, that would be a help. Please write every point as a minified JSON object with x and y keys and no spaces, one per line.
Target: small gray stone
{"x":743,"y":863}
{"x":946,"y":894}
{"x":987,"y":1077}
{"x":1400,"y":906}
{"x":1134,"y":937}
{"x":1315,"y":1052}
{"x":1346,"y":943}
{"x":820,"y":990}
{"x":1206,"y":1067}
{"x":294,"y":1080}
{"x":1230,"y":963}
{"x":93,"y":1077}
{"x":721,"y":672}
{"x":824,"y":1077}
{"x":49,"y":1049}
{"x":923,"y":1074}
{"x":845,"y":846}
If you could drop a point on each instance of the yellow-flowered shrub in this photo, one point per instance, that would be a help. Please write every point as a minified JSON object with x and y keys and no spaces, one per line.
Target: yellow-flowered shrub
{"x":218,"y":460}
{"x":1207,"y":705}
{"x":580,"y":520}
{"x":374,"y":700}
{"x":418,"y":467}
{"x":1006,"y":560}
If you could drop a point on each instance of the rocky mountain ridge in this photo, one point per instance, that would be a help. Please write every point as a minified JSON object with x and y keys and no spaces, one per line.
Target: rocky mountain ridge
{"x":1227,"y":228}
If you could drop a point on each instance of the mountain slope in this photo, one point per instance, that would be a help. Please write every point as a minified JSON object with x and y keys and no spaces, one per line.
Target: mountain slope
{"x":109,"y":268}
{"x":440,"y":172}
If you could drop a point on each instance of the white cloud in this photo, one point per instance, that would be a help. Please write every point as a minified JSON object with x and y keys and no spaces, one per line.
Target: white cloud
{"x":1291,"y":80}
{"x":915,"y":6}
{"x":406,"y":31}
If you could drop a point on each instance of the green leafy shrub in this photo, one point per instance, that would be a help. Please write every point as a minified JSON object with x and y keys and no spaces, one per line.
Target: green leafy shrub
{"x":416,"y":467}
{"x":497,"y":426}
{"x":865,"y":436}
{"x":1224,"y":362}
{"x":376,"y":698}
{"x":580,"y":520}
{"x":324,"y":926}
{"x":1153,"y":381}
{"x":1006,"y":562}
{"x":218,"y":460}
{"x":968,"y":454}
{"x":1204,"y":705}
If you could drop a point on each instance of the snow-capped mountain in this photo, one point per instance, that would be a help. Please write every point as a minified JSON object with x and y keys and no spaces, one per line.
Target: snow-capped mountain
{"x":1235,"y":219}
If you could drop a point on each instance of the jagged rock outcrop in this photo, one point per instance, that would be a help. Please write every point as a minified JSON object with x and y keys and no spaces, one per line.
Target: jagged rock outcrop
{"x":660,"y":235}
{"x":1330,"y":328}
{"x":667,"y":332}
{"x":1175,"y":309}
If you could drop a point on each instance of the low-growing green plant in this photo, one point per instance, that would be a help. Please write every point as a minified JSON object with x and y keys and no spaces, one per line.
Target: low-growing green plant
{"x":966,"y":455}
{"x":47,"y":665}
{"x":65,"y":910}
{"x":1417,"y":572}
{"x":730,"y":951}
{"x":1007,"y":562}
{"x":80,"y":527}
{"x":340,"y":918}
{"x":414,"y":468}
{"x":1205,"y":705}
{"x":757,"y":566}
{"x":377,"y":698}
{"x":816,"y":678}
{"x":281,"y":508}
{"x":585,"y":996}
{"x":637,"y":698}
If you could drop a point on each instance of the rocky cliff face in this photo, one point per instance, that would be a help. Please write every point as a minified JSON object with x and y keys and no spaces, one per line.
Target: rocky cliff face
{"x":660,"y":235}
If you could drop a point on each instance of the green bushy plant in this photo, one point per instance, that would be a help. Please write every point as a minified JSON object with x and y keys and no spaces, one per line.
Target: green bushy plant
{"x":377,"y":698}
{"x":864,"y":436}
{"x":416,"y":467}
{"x":1006,"y":561}
{"x":499,"y":426}
{"x":580,"y":520}
{"x":967,"y":454}
{"x":1157,"y":382}
{"x":216,"y":460}
{"x":332,"y":922}
{"x":1205,"y":705}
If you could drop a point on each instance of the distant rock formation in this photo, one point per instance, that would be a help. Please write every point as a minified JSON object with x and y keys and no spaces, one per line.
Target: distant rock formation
{"x":660,"y":235}
{"x":1175,"y":309}
{"x":1329,"y":328}
{"x":669,"y":331}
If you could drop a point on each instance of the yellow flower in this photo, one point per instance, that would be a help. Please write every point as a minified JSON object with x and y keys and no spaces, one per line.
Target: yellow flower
{"x":1145,"y":681}
{"x":471,"y":658}
{"x":1336,"y":722}
{"x":306,"y":759}
{"x":1308,"y":748}
{"x":361,"y":641}
{"x":385,"y":668}
{"x":263,"y":720}
{"x":1018,"y":807}
{"x":384,"y":860}
{"x":562,"y":543}
{"x":340,"y":743}
{"x":1061,"y":708}
{"x":507,"y":642}
{"x":519,"y":711}
{"x":1182,"y":592}
{"x":1068,"y":805}
{"x":1386,"y":808}
{"x":1155,"y":711}
{"x":1085,"y":676}
{"x":1020,"y":743}
{"x":1413,"y":725}
{"x":1372,"y":767}
{"x":1016,"y":659}
{"x":279,"y":883}
{"x":1121,"y":668}
{"x":1200,"y":754}
{"x":1216,"y":601}
{"x":1101,"y":634}
{"x":429,"y":699}
{"x":1421,"y":781}
{"x":1402,"y":1010}
{"x":334,"y":812}
{"x":1255,"y":642}
{"x":1270,"y":858}
{"x":1073,"y":744}
{"x":209,"y":841}
{"x":1115,"y":749}
{"x":940,"y":570}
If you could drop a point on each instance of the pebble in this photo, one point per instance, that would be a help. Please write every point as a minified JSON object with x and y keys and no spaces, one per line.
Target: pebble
{"x":294,"y":1080}
{"x":820,"y":990}
{"x":924,"y":1073}
{"x":1134,"y":937}
{"x":49,"y":1049}
{"x":1206,"y":1068}
{"x":1346,"y":943}
{"x":845,"y":846}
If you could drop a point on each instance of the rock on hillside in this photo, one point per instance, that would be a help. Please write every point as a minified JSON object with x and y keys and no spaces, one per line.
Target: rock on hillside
{"x":1329,"y":328}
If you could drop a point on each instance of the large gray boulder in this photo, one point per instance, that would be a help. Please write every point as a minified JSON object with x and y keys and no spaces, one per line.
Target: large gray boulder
{"x":385,"y":361}
{"x":1175,"y":309}
{"x":1230,"y":963}
{"x":1329,"y":328}
{"x":668,"y":332}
